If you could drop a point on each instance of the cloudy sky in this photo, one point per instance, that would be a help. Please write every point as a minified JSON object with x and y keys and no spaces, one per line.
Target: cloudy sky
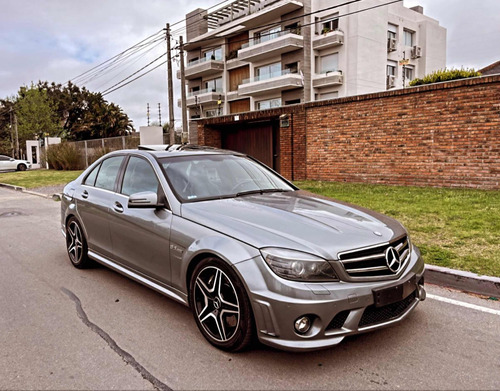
{"x":56,"y":40}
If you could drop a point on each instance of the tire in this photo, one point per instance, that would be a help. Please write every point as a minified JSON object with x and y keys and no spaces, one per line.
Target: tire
{"x":76,"y":245}
{"x":220,"y":305}
{"x":21,"y":167}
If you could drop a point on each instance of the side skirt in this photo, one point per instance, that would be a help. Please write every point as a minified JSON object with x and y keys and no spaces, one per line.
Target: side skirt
{"x":177,"y":296}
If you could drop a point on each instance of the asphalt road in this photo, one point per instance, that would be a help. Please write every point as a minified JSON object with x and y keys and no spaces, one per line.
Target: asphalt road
{"x":63,"y":328}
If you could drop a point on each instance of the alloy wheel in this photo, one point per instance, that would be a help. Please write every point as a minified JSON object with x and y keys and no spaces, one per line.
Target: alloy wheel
{"x":74,"y":242}
{"x":216,"y":304}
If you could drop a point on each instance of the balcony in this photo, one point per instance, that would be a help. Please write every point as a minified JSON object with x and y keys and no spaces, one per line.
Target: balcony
{"x":195,"y":98}
{"x":242,"y":15}
{"x":202,"y":67}
{"x":328,"y":79}
{"x":328,"y":40}
{"x":271,"y":82}
{"x":272,"y":45}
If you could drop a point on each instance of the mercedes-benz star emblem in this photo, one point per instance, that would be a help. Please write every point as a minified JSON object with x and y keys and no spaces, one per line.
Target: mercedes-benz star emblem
{"x":392,"y":259}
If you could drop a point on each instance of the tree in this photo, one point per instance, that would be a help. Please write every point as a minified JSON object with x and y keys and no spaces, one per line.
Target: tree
{"x":85,"y":115}
{"x":6,"y":136}
{"x":36,"y":115}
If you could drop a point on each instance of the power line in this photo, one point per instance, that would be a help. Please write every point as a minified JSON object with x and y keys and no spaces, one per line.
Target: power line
{"x":113,"y":63}
{"x":135,"y":73}
{"x":126,"y":66}
{"x":118,"y":55}
{"x":304,"y":25}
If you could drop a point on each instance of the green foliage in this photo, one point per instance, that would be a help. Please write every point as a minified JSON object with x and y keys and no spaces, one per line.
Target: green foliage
{"x":68,"y":111}
{"x":63,"y":156}
{"x":456,"y":228}
{"x":445,"y":75}
{"x":36,"y":115}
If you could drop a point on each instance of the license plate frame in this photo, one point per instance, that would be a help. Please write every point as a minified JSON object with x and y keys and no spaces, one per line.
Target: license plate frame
{"x":394,"y":293}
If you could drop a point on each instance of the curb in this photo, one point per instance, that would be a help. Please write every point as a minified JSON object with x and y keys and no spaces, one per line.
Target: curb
{"x":55,"y":197}
{"x":464,"y":281}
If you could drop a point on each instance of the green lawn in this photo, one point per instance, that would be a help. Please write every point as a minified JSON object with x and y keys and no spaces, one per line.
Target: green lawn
{"x":456,"y":228}
{"x":38,"y":178}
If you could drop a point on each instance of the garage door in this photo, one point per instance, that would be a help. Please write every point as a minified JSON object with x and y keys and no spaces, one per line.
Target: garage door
{"x":256,"y":141}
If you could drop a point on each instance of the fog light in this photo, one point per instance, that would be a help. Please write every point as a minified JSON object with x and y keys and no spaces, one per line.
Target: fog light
{"x":302,"y":324}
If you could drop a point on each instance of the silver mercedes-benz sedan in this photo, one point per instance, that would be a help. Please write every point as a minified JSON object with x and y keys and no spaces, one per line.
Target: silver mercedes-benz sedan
{"x":246,"y":250}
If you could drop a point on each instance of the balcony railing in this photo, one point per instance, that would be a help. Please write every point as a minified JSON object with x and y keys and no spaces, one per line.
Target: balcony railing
{"x":204,"y":59}
{"x":204,"y":91}
{"x":269,"y":37}
{"x":267,"y":76}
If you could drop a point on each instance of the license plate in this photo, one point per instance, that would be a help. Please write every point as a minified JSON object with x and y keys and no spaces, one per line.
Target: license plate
{"x":395,"y":293}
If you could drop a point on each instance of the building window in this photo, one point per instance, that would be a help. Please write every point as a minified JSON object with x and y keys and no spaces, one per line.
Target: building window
{"x":268,"y":104}
{"x":392,"y":31}
{"x":327,"y":63}
{"x":391,"y":68}
{"x":409,"y":73}
{"x":327,"y":23}
{"x":326,"y":95}
{"x":213,"y":54}
{"x":214,"y":85}
{"x":212,"y":113}
{"x":268,"y":71}
{"x":293,"y":67}
{"x":409,"y":37}
{"x":266,"y":35}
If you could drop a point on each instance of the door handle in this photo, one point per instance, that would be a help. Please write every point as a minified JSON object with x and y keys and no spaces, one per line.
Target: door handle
{"x":85,"y":194}
{"x":118,"y":207}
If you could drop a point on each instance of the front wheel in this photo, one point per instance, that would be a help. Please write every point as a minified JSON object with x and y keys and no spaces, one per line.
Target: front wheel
{"x":76,"y":245}
{"x":220,"y":305}
{"x":21,"y":167}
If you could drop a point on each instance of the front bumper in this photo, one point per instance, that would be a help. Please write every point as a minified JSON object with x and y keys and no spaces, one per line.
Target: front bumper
{"x":337,"y":309}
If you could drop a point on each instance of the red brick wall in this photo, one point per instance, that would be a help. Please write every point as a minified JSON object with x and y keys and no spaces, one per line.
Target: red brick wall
{"x":445,"y":135}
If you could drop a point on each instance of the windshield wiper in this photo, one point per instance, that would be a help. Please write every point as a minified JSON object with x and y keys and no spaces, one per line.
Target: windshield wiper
{"x":259,"y":191}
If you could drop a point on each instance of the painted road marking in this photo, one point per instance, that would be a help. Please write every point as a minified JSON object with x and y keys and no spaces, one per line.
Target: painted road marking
{"x":464,"y":304}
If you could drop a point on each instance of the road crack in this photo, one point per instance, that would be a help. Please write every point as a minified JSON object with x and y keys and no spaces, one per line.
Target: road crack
{"x":127,"y":357}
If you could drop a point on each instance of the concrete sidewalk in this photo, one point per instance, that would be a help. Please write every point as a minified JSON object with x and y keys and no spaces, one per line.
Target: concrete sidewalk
{"x":457,"y":279}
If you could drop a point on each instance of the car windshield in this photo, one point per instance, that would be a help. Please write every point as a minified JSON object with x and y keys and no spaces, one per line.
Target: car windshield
{"x":196,"y":178}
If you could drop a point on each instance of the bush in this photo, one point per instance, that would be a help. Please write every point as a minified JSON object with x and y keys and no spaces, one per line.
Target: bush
{"x":445,"y":75}
{"x":63,"y":156}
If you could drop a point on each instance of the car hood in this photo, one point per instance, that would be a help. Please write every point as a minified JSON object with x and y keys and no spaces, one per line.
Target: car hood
{"x":296,"y":220}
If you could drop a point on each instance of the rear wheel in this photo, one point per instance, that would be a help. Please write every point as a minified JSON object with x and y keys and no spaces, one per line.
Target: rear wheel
{"x":220,"y":305}
{"x":21,"y":167}
{"x":76,"y":244}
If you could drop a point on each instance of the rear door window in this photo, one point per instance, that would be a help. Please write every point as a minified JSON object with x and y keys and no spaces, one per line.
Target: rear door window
{"x":106,"y":178}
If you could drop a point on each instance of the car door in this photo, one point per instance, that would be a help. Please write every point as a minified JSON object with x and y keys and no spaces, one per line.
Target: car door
{"x":141,"y":236}
{"x":94,"y":199}
{"x":5,"y":163}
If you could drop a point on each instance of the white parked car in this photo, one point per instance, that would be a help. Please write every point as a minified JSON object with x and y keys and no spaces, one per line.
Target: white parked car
{"x":9,"y":163}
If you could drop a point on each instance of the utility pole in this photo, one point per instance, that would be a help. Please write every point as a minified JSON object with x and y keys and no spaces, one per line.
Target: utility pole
{"x":11,"y":134}
{"x":16,"y":134}
{"x":170,"y":89}
{"x":185,"y":130}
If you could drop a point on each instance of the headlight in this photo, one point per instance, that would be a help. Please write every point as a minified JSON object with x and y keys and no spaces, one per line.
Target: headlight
{"x":298,"y":266}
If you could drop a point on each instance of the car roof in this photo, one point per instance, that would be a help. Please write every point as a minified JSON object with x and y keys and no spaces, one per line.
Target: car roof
{"x":166,"y":150}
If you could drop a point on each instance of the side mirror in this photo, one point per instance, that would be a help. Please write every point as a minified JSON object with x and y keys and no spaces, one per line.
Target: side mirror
{"x":144,"y":199}
{"x":11,"y":159}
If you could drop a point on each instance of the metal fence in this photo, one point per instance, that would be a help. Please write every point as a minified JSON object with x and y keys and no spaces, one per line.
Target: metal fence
{"x":91,"y":150}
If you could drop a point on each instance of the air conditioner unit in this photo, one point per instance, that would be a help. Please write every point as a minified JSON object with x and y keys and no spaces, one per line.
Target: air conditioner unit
{"x":391,"y":81}
{"x":416,"y":52}
{"x":391,"y":44}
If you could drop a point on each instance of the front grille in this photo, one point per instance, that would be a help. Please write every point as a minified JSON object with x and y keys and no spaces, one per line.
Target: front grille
{"x":373,"y":315}
{"x":339,"y":320}
{"x":371,"y":261}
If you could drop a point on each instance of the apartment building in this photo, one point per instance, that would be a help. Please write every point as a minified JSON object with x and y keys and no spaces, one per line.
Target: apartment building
{"x":259,"y":54}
